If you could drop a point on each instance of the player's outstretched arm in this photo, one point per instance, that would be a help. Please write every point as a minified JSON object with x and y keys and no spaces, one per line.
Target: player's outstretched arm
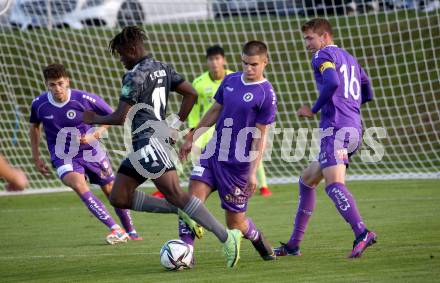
{"x":16,"y":178}
{"x":96,"y":135}
{"x":207,"y":121}
{"x":330,"y":82}
{"x":210,"y":116}
{"x":189,"y":99}
{"x":116,"y":118}
{"x":35,"y":135}
{"x":258,"y":146}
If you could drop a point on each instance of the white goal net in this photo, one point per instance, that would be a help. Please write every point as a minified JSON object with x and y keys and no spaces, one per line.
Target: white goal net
{"x":397,"y":43}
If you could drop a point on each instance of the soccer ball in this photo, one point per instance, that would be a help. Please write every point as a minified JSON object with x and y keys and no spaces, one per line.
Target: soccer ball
{"x":176,"y":255}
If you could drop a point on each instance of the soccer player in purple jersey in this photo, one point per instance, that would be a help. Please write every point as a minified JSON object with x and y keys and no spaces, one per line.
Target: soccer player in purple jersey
{"x":245,"y":106}
{"x":74,"y":147}
{"x":146,"y":87}
{"x":343,"y":87}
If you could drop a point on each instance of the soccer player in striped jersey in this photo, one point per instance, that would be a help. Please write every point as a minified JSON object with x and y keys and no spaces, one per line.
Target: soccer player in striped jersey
{"x":343,"y":87}
{"x":146,"y":87}
{"x":206,"y":86}
{"x":74,"y":146}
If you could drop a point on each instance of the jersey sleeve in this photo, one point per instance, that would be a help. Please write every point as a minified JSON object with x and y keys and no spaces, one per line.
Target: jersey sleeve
{"x":366,"y":90}
{"x":330,"y":82}
{"x":268,"y":109}
{"x":34,"y":118}
{"x":131,"y":87}
{"x":219,"y":94}
{"x":322,"y":60}
{"x":176,"y":79}
{"x":97,"y":104}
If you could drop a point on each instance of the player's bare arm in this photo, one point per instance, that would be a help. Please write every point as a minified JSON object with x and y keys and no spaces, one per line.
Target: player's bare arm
{"x":15,"y":177}
{"x":189,"y":99}
{"x":116,"y":118}
{"x":96,"y":135}
{"x":207,"y":121}
{"x":258,"y":146}
{"x":35,"y":135}
{"x":305,"y":111}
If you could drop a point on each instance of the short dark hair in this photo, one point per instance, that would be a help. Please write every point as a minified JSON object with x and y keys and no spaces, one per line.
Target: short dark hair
{"x":318,"y":25}
{"x":215,"y":50}
{"x":54,"y":72}
{"x":131,"y":35}
{"x":254,"y":47}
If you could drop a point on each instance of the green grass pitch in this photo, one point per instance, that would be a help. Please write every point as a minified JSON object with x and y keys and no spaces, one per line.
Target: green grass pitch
{"x":52,"y":238}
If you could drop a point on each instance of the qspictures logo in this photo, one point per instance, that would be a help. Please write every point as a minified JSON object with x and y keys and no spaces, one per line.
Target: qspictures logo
{"x":4,"y":6}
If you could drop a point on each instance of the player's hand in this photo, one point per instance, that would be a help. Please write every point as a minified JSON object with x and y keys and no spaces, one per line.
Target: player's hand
{"x":185,"y":149}
{"x":305,"y":111}
{"x":89,"y":117}
{"x":42,"y":168}
{"x":251,"y":185}
{"x":19,"y":183}
{"x":89,"y":138}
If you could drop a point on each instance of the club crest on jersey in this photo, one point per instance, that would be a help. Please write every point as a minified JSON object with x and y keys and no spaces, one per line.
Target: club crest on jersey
{"x":248,"y":96}
{"x":125,"y":90}
{"x":71,"y":114}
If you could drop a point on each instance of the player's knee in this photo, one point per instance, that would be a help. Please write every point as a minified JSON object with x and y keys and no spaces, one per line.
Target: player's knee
{"x":118,"y":201}
{"x":311,"y":177}
{"x":79,"y":187}
{"x":307,"y":177}
{"x":106,"y":189}
{"x":179,"y":199}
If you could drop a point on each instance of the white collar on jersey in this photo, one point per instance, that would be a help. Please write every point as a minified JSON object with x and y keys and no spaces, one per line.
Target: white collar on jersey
{"x":58,"y":104}
{"x":251,"y":83}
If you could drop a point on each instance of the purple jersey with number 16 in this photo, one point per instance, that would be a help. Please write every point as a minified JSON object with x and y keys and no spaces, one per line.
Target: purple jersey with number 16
{"x":343,"y":109}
